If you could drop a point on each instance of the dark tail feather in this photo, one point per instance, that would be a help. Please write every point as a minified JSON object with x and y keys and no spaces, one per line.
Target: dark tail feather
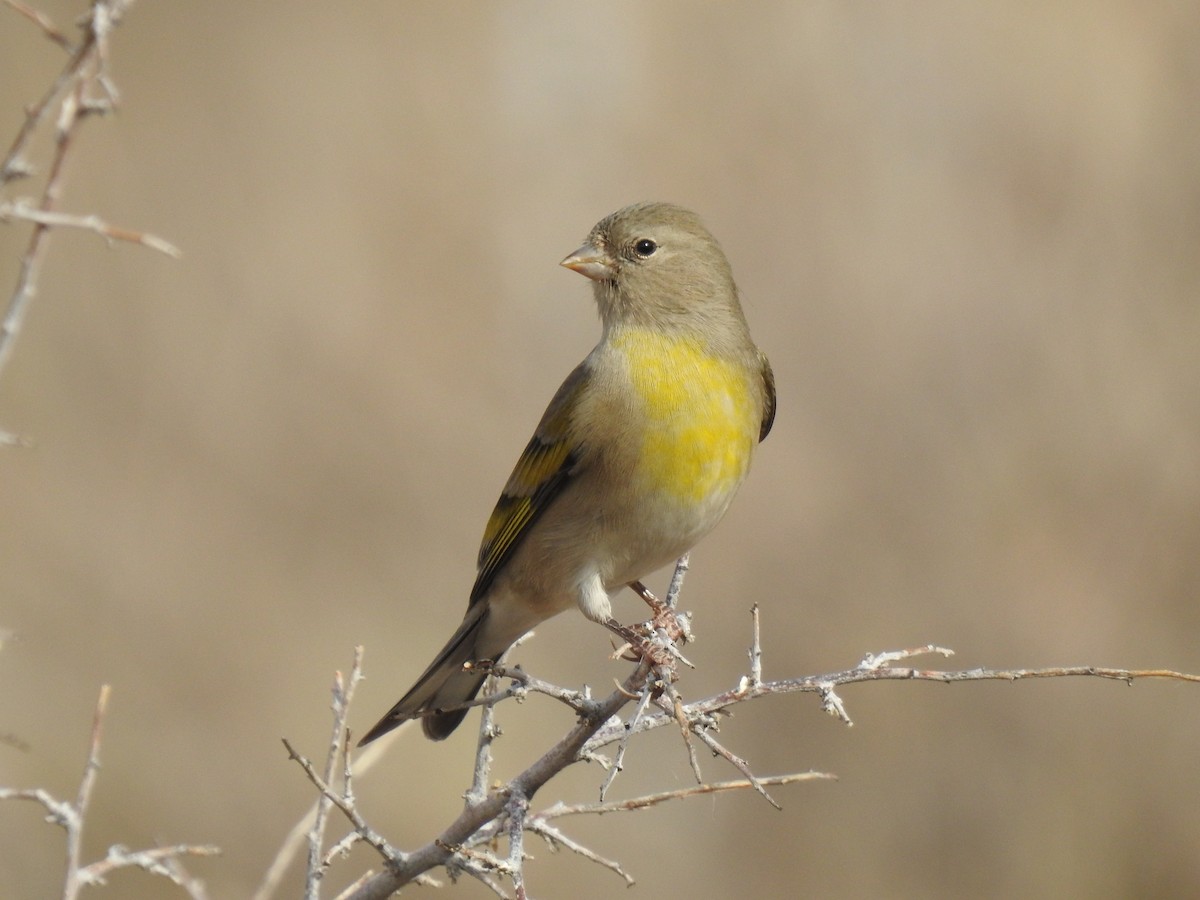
{"x":443,"y":685}
{"x":439,"y":726}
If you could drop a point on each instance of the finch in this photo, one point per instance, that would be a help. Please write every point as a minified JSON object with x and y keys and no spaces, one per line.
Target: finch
{"x":636,"y":458}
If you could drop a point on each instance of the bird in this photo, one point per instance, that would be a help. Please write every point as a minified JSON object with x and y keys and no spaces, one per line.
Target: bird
{"x":636,"y":458}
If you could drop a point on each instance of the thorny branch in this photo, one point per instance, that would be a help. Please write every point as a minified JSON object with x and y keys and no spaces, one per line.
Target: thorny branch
{"x":163,"y":861}
{"x":301,"y":833}
{"x":467,"y":845}
{"x":22,"y":210}
{"x":82,"y":88}
{"x":343,"y":693}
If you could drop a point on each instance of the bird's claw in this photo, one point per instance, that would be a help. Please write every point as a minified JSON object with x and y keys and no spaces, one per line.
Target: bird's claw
{"x":656,"y":640}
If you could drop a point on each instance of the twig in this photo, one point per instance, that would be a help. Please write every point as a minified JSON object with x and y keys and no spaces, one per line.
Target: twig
{"x":91,"y":769}
{"x":82,"y":88}
{"x":481,"y":866}
{"x":488,"y":732}
{"x":515,"y":811}
{"x":676,"y":583}
{"x":737,"y":762}
{"x":869,"y":671}
{"x":175,"y":871}
{"x":554,"y":837}
{"x":341,"y":848}
{"x":646,"y":801}
{"x":42,"y":21}
{"x":22,"y":210}
{"x":343,"y":693}
{"x":672,"y":703}
{"x":368,"y":834}
{"x":540,"y":824}
{"x":483,"y":748}
{"x":618,"y":762}
{"x":886,"y":658}
{"x":523,"y":683}
{"x":300,"y":833}
{"x":157,"y":861}
{"x":14,"y":166}
{"x":755,"y":649}
{"x":318,"y":860}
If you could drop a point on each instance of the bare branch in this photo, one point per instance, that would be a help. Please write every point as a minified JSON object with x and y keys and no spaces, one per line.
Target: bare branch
{"x":158,"y":861}
{"x":24,"y":211}
{"x":737,"y":762}
{"x":343,"y":693}
{"x":82,"y":88}
{"x":526,"y":784}
{"x":91,"y":768}
{"x":175,"y":871}
{"x":468,"y":845}
{"x":755,"y":649}
{"x":298,"y":835}
{"x":524,"y":683}
{"x":367,"y":833}
{"x":633,"y":804}
{"x":555,"y":838}
{"x":162,"y":861}
{"x":676,"y":584}
{"x":885,"y":659}
{"x":482,"y":773}
{"x":871,"y":669}
{"x":43,"y":22}
{"x":619,"y":760}
{"x":57,"y":811}
{"x":516,"y":810}
{"x":488,"y":732}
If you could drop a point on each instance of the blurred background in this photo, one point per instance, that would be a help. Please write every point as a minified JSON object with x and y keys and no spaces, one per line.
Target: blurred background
{"x":966,"y":235}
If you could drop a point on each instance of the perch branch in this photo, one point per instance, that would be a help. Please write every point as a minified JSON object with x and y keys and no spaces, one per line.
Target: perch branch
{"x":467,"y":845}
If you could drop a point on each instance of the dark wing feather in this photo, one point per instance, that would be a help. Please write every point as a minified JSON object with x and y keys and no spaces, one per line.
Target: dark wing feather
{"x":768,"y":416}
{"x":549,"y":462}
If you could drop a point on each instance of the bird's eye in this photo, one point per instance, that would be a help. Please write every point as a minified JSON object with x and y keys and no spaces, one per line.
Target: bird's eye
{"x":645,"y":247}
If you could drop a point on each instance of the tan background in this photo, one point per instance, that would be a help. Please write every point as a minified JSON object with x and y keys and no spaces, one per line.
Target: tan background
{"x":967,"y":236}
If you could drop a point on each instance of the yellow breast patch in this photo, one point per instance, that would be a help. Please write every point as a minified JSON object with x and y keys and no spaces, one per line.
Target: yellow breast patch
{"x":701,"y":419}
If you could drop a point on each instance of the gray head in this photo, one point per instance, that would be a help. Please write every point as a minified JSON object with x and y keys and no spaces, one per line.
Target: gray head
{"x":656,"y":264}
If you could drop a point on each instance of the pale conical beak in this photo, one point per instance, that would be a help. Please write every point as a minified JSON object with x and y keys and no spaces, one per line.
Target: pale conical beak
{"x":589,"y":261}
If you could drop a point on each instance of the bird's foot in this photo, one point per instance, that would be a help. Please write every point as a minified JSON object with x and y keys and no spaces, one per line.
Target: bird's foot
{"x":657,"y":640}
{"x":664,"y":620}
{"x":634,"y":637}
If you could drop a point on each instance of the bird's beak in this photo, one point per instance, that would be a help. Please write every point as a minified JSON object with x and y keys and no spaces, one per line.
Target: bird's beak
{"x":593,"y":263}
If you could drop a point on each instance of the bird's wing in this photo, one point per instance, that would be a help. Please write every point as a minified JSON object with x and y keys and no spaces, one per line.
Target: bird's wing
{"x":768,"y":412}
{"x":547,"y":465}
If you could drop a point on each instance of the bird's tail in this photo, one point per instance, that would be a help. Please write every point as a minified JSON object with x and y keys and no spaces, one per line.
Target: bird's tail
{"x":445,"y":684}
